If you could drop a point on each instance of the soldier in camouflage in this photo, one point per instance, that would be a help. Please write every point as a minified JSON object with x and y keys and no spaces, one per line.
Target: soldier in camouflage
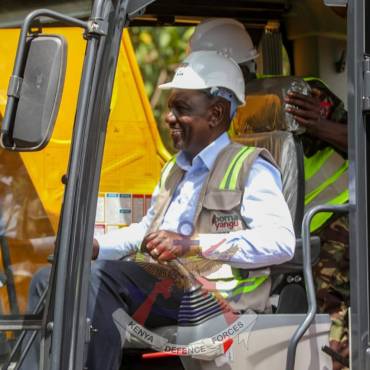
{"x":332,"y":283}
{"x":325,"y":120}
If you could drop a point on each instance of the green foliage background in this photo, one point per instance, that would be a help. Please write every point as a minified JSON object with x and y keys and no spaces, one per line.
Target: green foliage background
{"x":159,"y":50}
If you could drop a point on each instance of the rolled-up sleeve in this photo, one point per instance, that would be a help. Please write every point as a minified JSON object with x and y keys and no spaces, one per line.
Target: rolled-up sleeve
{"x":269,"y":238}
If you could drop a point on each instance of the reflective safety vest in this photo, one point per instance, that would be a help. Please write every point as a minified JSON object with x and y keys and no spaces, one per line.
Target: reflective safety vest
{"x":326,"y":179}
{"x":326,"y":182}
{"x":218,"y":211}
{"x":326,"y":176}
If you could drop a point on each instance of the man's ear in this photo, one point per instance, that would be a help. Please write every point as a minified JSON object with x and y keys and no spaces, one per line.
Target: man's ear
{"x":219,"y":113}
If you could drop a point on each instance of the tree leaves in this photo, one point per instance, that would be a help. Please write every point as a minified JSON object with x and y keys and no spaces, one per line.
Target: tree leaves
{"x":158,"y":51}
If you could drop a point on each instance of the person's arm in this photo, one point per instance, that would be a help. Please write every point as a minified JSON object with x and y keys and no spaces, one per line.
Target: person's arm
{"x":269,"y":239}
{"x":307,"y":113}
{"x":334,"y":133}
{"x":125,"y":241}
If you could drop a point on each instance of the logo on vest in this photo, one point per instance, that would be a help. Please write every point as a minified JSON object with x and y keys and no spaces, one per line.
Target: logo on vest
{"x":225,"y":222}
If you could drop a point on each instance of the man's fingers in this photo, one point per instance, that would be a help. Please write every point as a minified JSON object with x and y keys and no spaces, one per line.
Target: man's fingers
{"x":316,"y":93}
{"x":162,"y":254}
{"x":304,"y":122}
{"x":306,"y":103}
{"x":166,"y":255}
{"x":147,"y":239}
{"x":156,"y":252}
{"x":313,"y":99}
{"x":151,"y":236}
{"x":154,"y":243}
{"x":297,"y":95}
{"x":167,"y":243}
{"x":162,"y":241}
{"x":309,"y":115}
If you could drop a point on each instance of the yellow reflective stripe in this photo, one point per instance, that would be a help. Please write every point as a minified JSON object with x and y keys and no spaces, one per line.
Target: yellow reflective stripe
{"x":248,"y":289}
{"x":261,"y":76}
{"x":237,"y":167}
{"x":321,"y":218}
{"x":232,"y":283}
{"x":230,"y":167}
{"x":326,"y":171}
{"x":239,"y":288}
{"x":166,"y":170}
{"x":313,"y":164}
{"x":310,"y":197}
{"x":308,"y":79}
{"x":229,"y":181}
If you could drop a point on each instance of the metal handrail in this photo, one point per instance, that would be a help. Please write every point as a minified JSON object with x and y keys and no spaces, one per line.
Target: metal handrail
{"x":37,"y":309}
{"x":10,"y":285}
{"x":309,"y":283}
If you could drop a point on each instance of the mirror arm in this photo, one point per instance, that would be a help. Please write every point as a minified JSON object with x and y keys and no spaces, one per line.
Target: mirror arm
{"x":90,"y":27}
{"x":15,"y":85}
{"x":14,"y":90}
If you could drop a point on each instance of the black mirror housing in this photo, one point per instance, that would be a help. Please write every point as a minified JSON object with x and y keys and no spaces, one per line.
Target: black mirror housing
{"x":37,"y":94}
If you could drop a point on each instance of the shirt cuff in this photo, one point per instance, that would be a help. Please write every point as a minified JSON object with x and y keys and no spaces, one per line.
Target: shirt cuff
{"x":108,"y":252}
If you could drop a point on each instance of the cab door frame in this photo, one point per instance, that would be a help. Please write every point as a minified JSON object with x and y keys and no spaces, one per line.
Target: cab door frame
{"x":358,"y":41}
{"x":70,"y":329}
{"x":66,"y":330}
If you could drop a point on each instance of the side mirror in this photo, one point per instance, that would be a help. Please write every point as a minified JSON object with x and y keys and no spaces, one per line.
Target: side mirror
{"x":34,"y":93}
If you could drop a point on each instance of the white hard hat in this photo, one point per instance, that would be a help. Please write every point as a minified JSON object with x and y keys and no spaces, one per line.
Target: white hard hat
{"x":205,"y":70}
{"x":225,"y":35}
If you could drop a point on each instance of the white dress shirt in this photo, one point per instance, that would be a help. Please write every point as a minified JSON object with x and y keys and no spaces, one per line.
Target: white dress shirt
{"x":268,"y":240}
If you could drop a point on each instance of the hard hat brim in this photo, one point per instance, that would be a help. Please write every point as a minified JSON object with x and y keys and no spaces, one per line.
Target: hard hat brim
{"x":205,"y":69}
{"x":172,"y":85}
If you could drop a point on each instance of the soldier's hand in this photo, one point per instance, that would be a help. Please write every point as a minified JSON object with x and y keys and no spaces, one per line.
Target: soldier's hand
{"x":167,"y":245}
{"x":306,"y":109}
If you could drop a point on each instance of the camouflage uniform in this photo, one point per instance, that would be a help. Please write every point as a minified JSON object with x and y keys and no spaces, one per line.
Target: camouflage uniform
{"x":332,"y":281}
{"x":332,"y":272}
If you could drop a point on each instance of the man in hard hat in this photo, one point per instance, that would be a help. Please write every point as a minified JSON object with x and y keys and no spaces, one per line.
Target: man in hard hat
{"x":217,"y":202}
{"x":325,"y":145}
{"x":239,"y":220}
{"x":229,"y":37}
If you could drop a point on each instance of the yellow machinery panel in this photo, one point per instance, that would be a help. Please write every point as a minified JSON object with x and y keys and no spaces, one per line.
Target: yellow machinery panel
{"x":31,"y":190}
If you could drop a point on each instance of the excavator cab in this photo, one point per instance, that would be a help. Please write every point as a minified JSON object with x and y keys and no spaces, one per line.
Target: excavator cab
{"x":262,"y":122}
{"x":287,"y":338}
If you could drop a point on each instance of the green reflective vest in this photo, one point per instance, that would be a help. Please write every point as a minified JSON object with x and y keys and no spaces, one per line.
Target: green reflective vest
{"x":326,"y":182}
{"x":231,"y":165}
{"x":326,"y":177}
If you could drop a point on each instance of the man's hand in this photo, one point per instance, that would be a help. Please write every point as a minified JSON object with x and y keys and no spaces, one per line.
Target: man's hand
{"x":95,"y":252}
{"x":307,"y":111}
{"x":167,"y":245}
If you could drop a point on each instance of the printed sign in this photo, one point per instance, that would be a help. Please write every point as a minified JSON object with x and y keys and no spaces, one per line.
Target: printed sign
{"x":100,"y":210}
{"x":138,"y":207}
{"x":115,"y":210}
{"x":118,"y":208}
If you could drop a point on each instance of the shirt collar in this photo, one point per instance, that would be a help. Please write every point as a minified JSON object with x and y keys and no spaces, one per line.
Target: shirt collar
{"x":207,"y":156}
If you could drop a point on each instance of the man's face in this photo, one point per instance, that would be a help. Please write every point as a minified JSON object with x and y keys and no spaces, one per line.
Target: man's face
{"x":189,"y":120}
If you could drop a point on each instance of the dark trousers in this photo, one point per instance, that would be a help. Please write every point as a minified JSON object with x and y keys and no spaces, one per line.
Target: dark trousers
{"x":116,"y":286}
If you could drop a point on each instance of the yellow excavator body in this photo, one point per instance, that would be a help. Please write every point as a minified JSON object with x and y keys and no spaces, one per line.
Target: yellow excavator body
{"x":31,"y":188}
